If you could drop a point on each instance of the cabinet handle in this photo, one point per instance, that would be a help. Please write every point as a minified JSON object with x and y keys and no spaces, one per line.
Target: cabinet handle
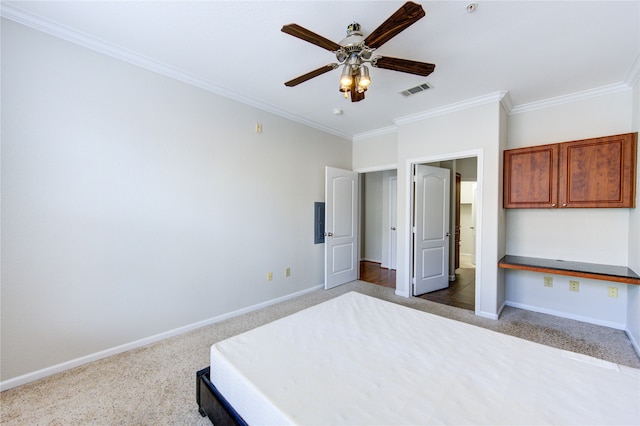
{"x":553,"y":205}
{"x":564,"y":205}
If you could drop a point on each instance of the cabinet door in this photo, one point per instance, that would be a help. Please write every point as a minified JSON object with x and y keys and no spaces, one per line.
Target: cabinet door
{"x":531,"y":177}
{"x":599,"y":172}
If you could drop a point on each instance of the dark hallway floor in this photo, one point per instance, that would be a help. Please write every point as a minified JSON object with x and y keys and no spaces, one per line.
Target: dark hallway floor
{"x":461,"y":293}
{"x":373,"y":273}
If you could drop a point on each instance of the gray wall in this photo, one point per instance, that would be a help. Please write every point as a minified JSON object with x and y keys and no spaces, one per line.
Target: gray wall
{"x":133,"y":204}
{"x":372,"y":217}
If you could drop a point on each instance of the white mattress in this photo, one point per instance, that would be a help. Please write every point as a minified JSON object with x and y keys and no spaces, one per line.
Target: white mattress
{"x":358,"y":360}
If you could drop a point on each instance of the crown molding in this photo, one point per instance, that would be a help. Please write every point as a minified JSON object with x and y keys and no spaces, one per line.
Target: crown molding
{"x":458,"y":106}
{"x":77,"y":37}
{"x":506,"y":102}
{"x":373,"y":133}
{"x":572,"y":97}
{"x":633,"y":76}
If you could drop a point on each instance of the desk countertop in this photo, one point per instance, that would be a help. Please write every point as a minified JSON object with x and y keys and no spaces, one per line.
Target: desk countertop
{"x":567,"y":267}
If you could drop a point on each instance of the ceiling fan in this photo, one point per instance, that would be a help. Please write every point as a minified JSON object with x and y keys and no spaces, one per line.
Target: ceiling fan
{"x":355,"y":51}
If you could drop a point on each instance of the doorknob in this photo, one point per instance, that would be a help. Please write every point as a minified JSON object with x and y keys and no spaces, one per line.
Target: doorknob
{"x":448,"y":234}
{"x":393,"y":228}
{"x":328,"y":234}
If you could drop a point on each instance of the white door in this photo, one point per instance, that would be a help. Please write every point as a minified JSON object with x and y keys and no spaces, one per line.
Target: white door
{"x":393,"y":221}
{"x":473,"y":228}
{"x":341,"y":227}
{"x":431,"y":229}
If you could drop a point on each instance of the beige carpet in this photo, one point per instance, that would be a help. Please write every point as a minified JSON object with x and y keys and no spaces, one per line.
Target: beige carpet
{"x":155,"y":385}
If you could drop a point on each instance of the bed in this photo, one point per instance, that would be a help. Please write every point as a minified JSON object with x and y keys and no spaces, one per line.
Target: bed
{"x":357,"y":360}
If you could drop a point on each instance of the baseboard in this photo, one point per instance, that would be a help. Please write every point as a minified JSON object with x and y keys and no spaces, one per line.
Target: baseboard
{"x":364,"y":259}
{"x":610,"y":324}
{"x":59,"y":368}
{"x":633,"y":341}
{"x":487,"y":315}
{"x":502,"y":308}
{"x":402,"y":294}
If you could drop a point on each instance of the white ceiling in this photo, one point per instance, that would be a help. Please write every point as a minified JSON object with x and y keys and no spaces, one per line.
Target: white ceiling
{"x":534,"y":50}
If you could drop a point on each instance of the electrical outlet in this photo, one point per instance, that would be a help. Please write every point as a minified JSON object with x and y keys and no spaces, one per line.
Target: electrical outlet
{"x":612,"y":291}
{"x":269,"y":276}
{"x":574,"y":286}
{"x":548,"y":281}
{"x":287,"y":272}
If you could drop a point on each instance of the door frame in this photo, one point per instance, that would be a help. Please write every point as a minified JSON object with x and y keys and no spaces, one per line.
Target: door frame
{"x":409,"y":205}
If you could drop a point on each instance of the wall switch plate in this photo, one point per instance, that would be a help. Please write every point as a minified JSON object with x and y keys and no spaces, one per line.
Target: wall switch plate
{"x":548,"y":281}
{"x":287,"y":272}
{"x":269,"y":276}
{"x":612,"y":291}
{"x":574,"y":286}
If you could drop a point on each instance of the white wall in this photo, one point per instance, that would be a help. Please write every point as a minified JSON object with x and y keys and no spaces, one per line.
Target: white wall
{"x":585,"y":235}
{"x":373,"y":154}
{"x":633,"y":293}
{"x":133,"y":204}
{"x":372,"y":215}
{"x":379,"y":152}
{"x":468,"y":169}
{"x":591,"y":304}
{"x":502,"y":223}
{"x":442,"y":137}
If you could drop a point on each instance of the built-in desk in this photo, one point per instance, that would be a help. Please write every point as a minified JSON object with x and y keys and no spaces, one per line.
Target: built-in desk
{"x":595,"y":271}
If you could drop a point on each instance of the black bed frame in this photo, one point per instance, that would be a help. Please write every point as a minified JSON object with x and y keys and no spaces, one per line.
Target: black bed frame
{"x":212,"y":404}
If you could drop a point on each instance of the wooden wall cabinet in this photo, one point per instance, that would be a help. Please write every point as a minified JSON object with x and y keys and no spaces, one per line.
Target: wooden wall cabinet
{"x":598,"y":172}
{"x":531,"y":177}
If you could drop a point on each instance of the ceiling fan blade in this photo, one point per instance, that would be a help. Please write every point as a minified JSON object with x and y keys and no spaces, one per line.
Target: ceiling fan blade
{"x":403,"y":65}
{"x":306,"y":35}
{"x":404,"y":17}
{"x":310,"y":75}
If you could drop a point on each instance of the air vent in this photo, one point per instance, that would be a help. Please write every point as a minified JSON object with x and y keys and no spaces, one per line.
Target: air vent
{"x":417,"y":89}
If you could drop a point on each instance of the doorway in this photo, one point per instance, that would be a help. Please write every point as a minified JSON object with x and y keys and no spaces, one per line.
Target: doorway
{"x":378,"y":227}
{"x":463,"y":283}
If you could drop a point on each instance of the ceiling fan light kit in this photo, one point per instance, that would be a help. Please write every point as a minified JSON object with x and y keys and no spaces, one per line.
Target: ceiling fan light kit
{"x":354,"y":51}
